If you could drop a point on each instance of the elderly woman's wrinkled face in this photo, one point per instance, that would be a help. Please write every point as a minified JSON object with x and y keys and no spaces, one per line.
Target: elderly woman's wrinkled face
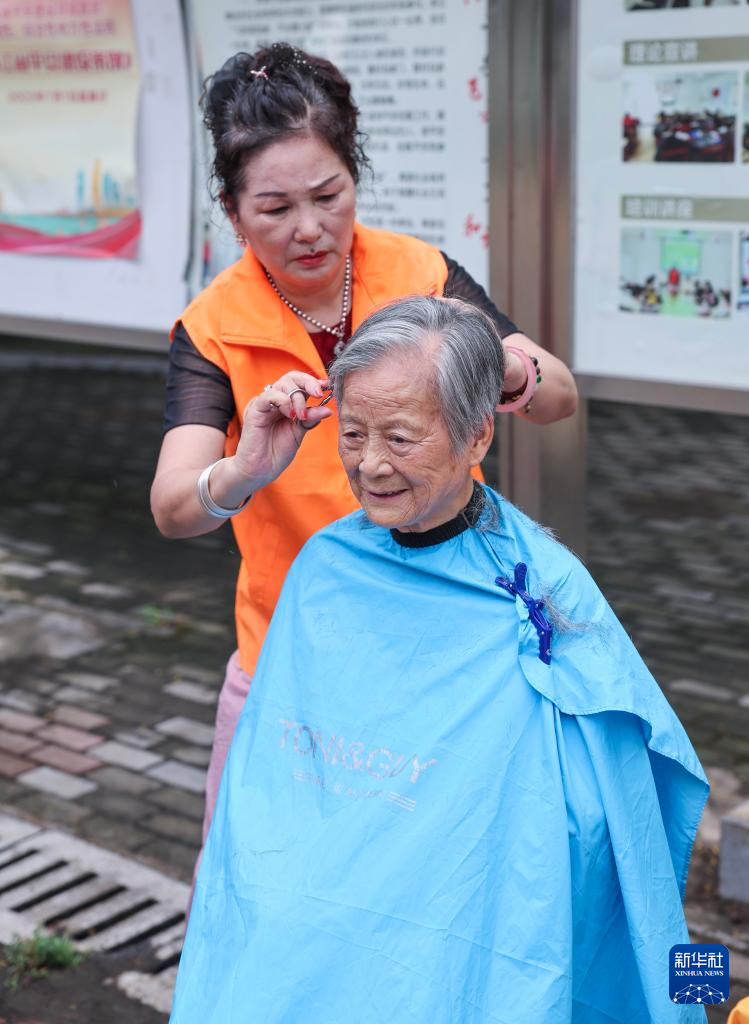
{"x":396,"y":449}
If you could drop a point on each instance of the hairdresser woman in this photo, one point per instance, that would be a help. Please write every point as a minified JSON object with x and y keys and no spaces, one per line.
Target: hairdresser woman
{"x":253,"y":347}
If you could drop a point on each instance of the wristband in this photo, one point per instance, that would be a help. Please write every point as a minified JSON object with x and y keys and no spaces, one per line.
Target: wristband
{"x":205,"y":499}
{"x":533,"y":379}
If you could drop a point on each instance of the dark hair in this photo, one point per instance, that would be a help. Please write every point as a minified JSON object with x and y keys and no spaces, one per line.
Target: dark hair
{"x":290,"y":92}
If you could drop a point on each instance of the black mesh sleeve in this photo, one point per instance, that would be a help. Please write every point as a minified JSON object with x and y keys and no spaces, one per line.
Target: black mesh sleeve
{"x":197,"y":391}
{"x":460,"y":285}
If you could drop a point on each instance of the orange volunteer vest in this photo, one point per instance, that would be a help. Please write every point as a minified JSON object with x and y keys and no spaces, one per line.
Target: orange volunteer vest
{"x":240,"y":324}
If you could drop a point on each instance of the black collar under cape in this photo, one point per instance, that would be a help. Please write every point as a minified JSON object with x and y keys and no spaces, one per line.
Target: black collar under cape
{"x":465,"y":519}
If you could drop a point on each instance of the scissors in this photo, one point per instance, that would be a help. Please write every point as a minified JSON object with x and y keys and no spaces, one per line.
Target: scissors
{"x":327,"y":398}
{"x":319,"y":405}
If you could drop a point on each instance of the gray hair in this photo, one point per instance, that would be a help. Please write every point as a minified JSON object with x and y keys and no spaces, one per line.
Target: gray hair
{"x":468,"y":362}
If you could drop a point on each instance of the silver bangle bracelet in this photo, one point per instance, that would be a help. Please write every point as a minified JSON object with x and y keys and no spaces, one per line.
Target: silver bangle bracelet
{"x":205,"y":499}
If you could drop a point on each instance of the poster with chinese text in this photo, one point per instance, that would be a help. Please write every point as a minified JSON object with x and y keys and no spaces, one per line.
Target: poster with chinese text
{"x":662,"y":207}
{"x":69,"y":90}
{"x":418,"y":71}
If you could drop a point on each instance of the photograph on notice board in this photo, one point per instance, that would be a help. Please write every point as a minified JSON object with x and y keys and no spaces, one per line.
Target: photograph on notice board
{"x":744,"y":272}
{"x":676,"y":272}
{"x":661,"y":5}
{"x":679,"y":117}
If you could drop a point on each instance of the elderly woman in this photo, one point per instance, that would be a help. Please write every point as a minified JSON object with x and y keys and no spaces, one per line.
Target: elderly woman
{"x":455,"y":793}
{"x":288,"y":157}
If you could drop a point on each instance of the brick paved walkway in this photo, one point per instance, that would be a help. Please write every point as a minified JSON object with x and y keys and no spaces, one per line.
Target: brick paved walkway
{"x":668,"y":516}
{"x":113,"y":640}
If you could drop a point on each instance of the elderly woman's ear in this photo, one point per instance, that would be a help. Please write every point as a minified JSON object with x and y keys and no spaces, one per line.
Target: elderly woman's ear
{"x":481,"y":442}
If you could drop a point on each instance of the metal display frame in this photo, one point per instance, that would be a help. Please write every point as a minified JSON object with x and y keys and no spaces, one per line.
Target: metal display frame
{"x":731,"y":401}
{"x":533,"y":74}
{"x":531,"y":47}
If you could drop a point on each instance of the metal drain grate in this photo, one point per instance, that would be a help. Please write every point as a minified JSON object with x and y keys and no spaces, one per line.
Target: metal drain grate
{"x":103,"y":901}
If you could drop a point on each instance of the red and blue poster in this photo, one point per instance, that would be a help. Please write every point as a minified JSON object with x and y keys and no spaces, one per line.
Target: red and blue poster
{"x":69,"y":90}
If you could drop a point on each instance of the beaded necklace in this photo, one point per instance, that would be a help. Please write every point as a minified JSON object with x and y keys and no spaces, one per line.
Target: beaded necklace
{"x":339,"y":329}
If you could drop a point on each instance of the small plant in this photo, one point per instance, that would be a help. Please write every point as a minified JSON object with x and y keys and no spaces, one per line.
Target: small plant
{"x":32,"y":958}
{"x":156,"y":617}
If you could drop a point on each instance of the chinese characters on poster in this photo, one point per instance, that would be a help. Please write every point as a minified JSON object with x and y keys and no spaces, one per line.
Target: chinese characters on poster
{"x":69,"y":89}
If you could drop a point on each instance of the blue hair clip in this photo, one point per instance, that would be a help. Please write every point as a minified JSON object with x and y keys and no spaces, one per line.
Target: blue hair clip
{"x":535,"y":609}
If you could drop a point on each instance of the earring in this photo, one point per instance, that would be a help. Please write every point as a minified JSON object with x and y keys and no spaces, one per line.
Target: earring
{"x":241,"y":240}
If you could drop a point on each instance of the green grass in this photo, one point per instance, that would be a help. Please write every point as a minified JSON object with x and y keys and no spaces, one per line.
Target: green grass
{"x":32,"y":958}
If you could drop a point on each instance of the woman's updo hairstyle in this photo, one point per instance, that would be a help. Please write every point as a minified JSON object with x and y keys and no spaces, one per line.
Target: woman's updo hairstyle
{"x":273,"y":94}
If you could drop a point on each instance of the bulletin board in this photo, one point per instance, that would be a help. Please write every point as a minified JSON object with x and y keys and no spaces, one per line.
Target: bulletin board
{"x":103,"y":255}
{"x":69,"y":88}
{"x":418,"y":71}
{"x":662,"y":192}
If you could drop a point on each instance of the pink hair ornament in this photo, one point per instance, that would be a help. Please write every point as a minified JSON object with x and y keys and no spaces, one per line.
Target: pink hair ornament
{"x":262,"y":73}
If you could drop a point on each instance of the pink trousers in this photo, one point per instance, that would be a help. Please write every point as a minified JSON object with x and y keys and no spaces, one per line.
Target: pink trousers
{"x":230,"y":703}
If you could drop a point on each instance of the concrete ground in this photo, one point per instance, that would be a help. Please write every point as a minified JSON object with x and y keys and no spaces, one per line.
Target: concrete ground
{"x":113,"y":640}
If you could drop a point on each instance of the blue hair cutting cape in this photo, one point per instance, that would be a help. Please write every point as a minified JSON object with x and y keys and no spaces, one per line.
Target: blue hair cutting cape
{"x":421,"y":820}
